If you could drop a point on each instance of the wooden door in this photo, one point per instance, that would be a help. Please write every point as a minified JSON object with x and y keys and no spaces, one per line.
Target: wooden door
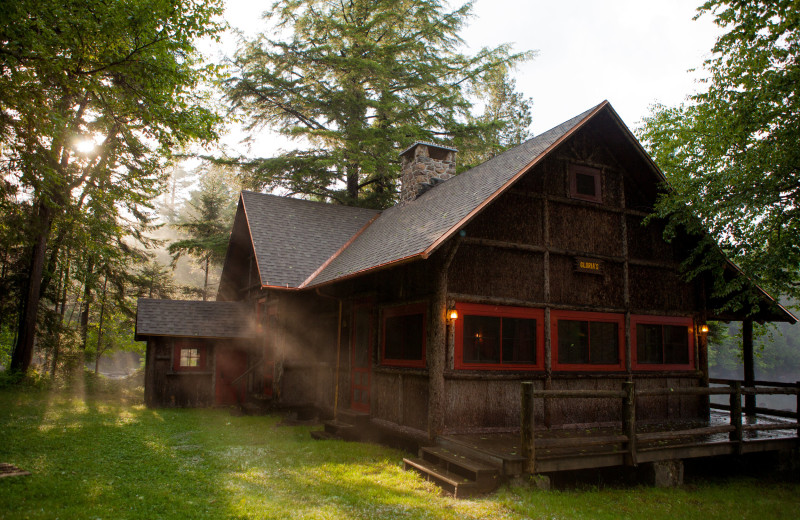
{"x":231,"y":363}
{"x":361,"y":357}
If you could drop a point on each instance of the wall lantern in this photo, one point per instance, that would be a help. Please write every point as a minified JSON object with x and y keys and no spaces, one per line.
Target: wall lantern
{"x":703,"y":329}
{"x":452,"y":314}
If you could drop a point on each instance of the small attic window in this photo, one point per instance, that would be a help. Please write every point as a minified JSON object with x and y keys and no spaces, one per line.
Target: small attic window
{"x":584,"y":183}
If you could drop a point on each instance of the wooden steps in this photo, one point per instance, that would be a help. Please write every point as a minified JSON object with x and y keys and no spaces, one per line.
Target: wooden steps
{"x":508,"y":464}
{"x":348,"y":425}
{"x":456,"y":472}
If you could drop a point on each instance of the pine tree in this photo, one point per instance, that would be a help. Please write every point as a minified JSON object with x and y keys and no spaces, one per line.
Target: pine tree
{"x":207,"y":222}
{"x":357,"y":81}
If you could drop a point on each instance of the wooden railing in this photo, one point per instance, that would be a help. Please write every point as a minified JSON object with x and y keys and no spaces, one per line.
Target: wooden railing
{"x":629,"y":437}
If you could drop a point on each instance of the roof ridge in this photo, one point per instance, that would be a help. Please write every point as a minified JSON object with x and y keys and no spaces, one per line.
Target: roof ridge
{"x":316,"y":202}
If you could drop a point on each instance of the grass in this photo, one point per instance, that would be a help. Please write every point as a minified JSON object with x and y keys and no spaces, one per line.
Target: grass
{"x":95,"y":451}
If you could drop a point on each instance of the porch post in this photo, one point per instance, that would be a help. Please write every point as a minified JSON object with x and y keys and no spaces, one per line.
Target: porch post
{"x":749,"y":370}
{"x":436,"y":341}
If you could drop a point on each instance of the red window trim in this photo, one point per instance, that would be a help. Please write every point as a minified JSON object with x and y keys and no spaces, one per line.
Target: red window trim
{"x":619,"y":319}
{"x":574,"y":170}
{"x":405,"y":310}
{"x":661,"y":320}
{"x":474,"y":309}
{"x":179,"y":344}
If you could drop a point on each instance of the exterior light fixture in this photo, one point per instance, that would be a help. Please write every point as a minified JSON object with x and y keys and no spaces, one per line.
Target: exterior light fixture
{"x":703,"y":329}
{"x":452,"y":314}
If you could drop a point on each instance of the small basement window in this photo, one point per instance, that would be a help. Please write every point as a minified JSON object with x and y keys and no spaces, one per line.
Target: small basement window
{"x":499,"y":338}
{"x":584,"y":183}
{"x":587,"y":340}
{"x":189,"y":355}
{"x":662,"y":343}
{"x":404,"y":336}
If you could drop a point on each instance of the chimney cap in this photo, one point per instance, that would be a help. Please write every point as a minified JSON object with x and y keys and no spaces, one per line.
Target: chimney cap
{"x":428,"y":144}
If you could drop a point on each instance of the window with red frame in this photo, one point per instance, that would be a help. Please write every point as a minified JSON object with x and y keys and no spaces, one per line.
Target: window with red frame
{"x":587,"y":340}
{"x":584,"y":183}
{"x":498,"y":338}
{"x":662,"y":342}
{"x":189,"y":355}
{"x":404,"y":336}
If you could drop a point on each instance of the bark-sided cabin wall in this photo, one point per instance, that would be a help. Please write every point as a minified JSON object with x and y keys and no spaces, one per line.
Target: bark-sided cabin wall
{"x":522,"y":251}
{"x":165,"y":387}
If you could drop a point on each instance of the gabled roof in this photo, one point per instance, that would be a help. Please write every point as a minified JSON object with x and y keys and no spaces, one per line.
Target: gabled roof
{"x":293,"y":238}
{"x":211,"y":319}
{"x":416,"y":228}
{"x":301,"y":244}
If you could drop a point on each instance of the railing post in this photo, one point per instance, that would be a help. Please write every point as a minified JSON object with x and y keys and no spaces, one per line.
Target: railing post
{"x":527,"y":426}
{"x":797,"y":410}
{"x":629,"y":420}
{"x":737,"y":435}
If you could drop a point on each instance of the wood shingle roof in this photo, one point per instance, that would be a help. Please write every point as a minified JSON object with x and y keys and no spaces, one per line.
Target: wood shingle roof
{"x":301,"y":244}
{"x":181,"y":318}
{"x":293,"y":238}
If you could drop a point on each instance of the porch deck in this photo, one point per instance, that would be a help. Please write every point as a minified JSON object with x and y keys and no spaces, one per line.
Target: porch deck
{"x":586,"y":448}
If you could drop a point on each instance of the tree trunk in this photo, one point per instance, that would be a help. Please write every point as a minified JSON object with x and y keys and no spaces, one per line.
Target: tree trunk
{"x":87,"y":301}
{"x":205,"y":283}
{"x":99,"y":352}
{"x":26,"y":331}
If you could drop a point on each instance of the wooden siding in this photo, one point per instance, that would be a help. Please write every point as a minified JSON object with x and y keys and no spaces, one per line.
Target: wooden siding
{"x":165,"y":387}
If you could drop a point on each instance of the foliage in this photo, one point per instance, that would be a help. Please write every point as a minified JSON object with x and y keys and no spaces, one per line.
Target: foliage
{"x":359,"y":81}
{"x":123,"y":75}
{"x":6,"y":344}
{"x":207,"y":220}
{"x":506,"y":111}
{"x":776,"y":349}
{"x":101,"y":454}
{"x":730,"y":152}
{"x":154,"y":281}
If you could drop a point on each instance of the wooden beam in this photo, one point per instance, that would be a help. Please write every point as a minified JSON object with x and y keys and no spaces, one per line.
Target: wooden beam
{"x":749,"y":368}
{"x":527,"y":426}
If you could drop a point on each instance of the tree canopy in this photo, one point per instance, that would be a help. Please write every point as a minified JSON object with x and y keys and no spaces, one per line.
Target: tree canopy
{"x":731,"y":152}
{"x":94,"y":96}
{"x":358,"y":81}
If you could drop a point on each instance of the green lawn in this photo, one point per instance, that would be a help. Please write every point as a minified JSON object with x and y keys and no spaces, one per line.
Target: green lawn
{"x":104,"y":455}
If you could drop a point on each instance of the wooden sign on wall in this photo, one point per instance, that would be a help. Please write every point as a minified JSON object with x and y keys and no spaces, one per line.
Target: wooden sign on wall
{"x":588,"y":265}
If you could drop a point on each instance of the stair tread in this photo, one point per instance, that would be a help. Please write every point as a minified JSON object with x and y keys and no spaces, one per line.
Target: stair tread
{"x":459,"y":459}
{"x":322,"y":435}
{"x":470,"y":447}
{"x":339,"y":424}
{"x":439,"y":472}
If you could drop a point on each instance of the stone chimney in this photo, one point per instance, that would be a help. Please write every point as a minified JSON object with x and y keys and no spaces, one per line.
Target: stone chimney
{"x":423,"y":165}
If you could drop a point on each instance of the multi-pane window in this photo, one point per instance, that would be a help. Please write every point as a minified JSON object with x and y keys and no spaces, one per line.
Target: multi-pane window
{"x":662,"y":342}
{"x":493,"y":337}
{"x":189,"y":354}
{"x":404,"y":336}
{"x":190,"y":357}
{"x":587,"y":341}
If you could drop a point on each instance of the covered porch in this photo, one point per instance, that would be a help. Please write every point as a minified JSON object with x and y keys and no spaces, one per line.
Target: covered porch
{"x":466,"y":464}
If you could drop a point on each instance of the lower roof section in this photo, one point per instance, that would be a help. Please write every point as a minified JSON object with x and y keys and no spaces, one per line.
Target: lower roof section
{"x":196,"y":319}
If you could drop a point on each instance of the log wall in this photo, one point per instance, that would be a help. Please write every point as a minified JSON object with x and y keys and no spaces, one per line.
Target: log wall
{"x":522,"y":251}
